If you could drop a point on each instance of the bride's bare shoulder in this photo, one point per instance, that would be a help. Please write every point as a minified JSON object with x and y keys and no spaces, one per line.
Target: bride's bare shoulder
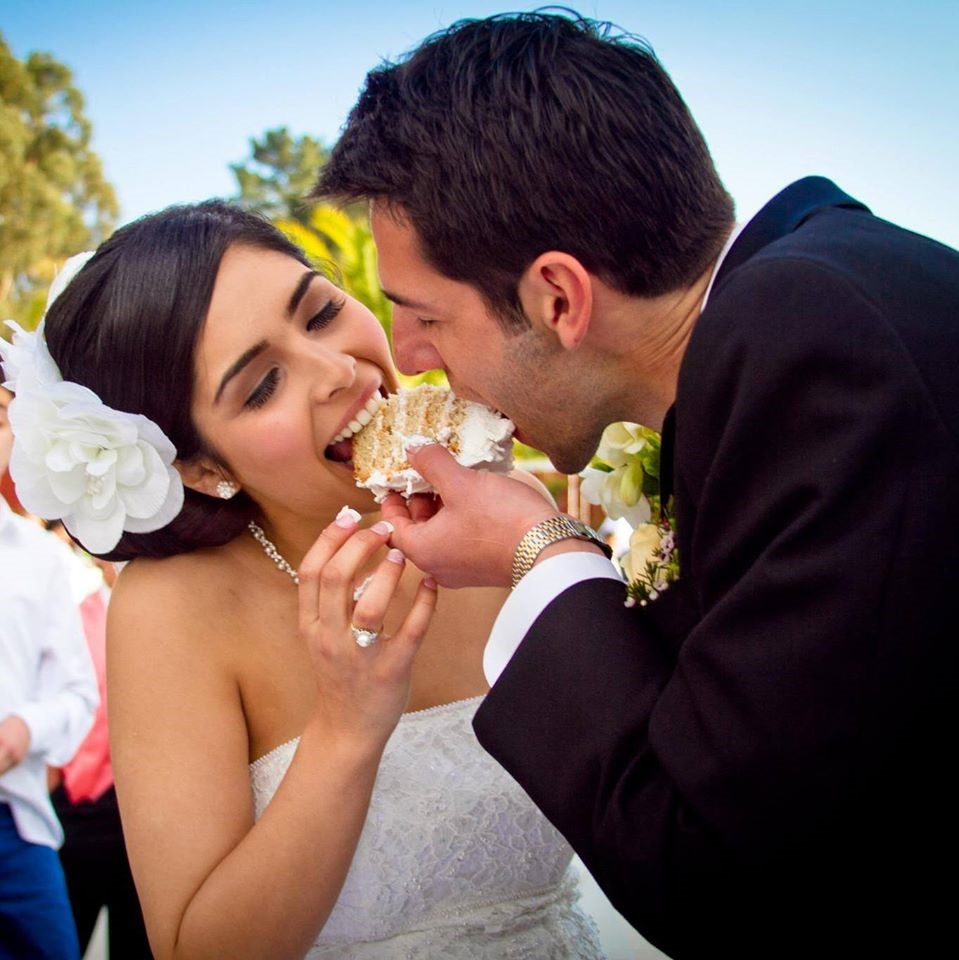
{"x":190,"y":590}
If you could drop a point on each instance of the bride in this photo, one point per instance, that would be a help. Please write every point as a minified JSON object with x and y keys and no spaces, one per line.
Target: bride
{"x":296,"y":769}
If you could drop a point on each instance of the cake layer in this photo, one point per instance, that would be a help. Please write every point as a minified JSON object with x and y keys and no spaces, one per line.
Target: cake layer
{"x":474,"y":434}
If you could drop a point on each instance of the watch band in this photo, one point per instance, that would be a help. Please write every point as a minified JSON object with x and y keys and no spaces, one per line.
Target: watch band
{"x":546,"y":532}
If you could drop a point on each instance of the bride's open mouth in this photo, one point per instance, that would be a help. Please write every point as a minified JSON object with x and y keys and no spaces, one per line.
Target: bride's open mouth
{"x":341,"y":452}
{"x":340,"y":449}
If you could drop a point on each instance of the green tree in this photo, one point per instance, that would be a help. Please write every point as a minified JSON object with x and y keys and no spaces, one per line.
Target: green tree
{"x":278,"y":174}
{"x":54,"y":198}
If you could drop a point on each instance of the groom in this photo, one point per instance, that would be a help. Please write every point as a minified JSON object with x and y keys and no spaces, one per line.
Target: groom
{"x":758,"y":762}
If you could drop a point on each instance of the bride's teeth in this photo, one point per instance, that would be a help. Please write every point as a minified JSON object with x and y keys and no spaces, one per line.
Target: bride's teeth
{"x":363,"y":417}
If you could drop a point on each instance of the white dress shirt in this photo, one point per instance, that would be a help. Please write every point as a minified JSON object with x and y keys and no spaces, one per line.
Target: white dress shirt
{"x":548,"y":579}
{"x":46,"y":675}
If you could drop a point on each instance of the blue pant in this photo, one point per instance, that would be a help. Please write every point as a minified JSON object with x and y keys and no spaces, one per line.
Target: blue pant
{"x":36,"y":922}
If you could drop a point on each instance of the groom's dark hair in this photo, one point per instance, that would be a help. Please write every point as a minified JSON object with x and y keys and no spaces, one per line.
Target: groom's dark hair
{"x":502,"y":138}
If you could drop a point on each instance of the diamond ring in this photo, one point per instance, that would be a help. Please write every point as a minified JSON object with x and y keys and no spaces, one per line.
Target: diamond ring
{"x":364,"y":637}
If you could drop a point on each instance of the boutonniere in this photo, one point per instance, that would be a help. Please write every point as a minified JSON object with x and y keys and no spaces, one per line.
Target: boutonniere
{"x":623,"y":478}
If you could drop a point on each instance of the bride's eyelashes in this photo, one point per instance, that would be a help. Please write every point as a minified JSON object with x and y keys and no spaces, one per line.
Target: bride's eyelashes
{"x":267,"y":386}
{"x":320,"y":320}
{"x":264,"y":390}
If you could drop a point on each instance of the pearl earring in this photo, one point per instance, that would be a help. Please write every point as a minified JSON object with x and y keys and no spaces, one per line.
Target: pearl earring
{"x":226,"y":489}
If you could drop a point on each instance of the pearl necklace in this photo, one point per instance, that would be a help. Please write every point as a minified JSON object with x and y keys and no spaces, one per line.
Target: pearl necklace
{"x":269,"y":548}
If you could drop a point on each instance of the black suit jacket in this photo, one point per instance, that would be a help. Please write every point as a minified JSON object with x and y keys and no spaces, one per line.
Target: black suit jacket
{"x":759,"y":763}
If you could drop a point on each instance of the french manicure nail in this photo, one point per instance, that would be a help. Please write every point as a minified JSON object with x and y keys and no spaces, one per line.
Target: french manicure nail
{"x":345,"y":520}
{"x":382,"y":526}
{"x":346,"y":511}
{"x":430,"y":583}
{"x":396,"y":556}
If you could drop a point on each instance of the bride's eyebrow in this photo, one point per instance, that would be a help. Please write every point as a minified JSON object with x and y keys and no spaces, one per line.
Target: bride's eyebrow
{"x":299,"y":291}
{"x":247,"y":357}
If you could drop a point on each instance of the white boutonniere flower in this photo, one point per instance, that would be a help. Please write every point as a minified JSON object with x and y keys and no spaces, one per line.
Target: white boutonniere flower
{"x":624,"y":479}
{"x":615,"y":482}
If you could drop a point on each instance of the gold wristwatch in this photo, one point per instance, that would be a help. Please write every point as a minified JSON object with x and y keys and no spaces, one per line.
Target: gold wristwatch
{"x":546,"y":532}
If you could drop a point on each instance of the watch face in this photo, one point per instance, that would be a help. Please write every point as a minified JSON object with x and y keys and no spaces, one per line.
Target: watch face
{"x":584,"y":529}
{"x":589,"y":533}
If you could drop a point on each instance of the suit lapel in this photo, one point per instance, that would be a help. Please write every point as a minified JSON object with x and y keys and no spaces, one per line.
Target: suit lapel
{"x":787,"y":211}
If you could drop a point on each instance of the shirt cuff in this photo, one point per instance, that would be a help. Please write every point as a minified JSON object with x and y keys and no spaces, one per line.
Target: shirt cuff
{"x":531,"y":596}
{"x":38,"y":723}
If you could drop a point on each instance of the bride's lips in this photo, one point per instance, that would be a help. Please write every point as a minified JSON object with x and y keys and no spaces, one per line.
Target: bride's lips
{"x":361,"y":401}
{"x":339,"y":449}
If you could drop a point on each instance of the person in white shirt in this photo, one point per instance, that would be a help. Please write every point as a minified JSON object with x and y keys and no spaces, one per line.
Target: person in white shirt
{"x":48,"y":696}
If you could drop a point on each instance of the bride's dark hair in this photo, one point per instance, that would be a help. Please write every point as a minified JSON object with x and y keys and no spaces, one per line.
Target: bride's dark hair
{"x":127,"y":326}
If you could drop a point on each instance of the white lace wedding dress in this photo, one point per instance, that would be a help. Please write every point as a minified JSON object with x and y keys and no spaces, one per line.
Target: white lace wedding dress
{"x":454,"y":861}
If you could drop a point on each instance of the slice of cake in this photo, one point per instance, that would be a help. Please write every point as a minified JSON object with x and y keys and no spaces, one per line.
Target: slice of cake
{"x":474,"y":434}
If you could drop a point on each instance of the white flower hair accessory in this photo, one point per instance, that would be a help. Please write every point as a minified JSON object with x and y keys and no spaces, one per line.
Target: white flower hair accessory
{"x":102,"y":472}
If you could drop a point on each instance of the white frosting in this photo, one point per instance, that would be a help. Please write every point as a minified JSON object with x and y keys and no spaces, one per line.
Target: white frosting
{"x":485,"y":438}
{"x":419,"y":440}
{"x":406,"y":482}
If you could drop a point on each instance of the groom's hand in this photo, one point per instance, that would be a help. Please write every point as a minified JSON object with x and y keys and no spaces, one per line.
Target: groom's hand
{"x":467,"y":535}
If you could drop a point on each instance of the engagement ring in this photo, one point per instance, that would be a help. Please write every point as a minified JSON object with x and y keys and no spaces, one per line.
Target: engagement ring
{"x":364,"y":637}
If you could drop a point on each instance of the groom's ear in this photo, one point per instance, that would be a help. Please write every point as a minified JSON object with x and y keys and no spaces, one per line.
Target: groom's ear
{"x":556,"y":293}
{"x":201,"y":475}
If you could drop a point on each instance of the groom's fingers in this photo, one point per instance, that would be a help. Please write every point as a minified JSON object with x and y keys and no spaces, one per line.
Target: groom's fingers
{"x":438,"y":466}
{"x":422,"y":506}
{"x":395,"y":508}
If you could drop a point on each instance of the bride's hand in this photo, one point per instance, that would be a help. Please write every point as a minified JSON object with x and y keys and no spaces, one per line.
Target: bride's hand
{"x":362,"y":690}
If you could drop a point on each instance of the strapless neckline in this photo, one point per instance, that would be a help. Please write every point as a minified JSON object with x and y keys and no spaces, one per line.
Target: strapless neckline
{"x":407,"y":717}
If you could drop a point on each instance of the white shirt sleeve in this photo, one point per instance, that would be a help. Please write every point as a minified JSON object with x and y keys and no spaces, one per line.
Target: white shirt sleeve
{"x":531,"y":596}
{"x":61,"y":712}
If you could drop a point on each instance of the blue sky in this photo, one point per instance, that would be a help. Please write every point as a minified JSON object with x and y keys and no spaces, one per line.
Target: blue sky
{"x":864,"y":92}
